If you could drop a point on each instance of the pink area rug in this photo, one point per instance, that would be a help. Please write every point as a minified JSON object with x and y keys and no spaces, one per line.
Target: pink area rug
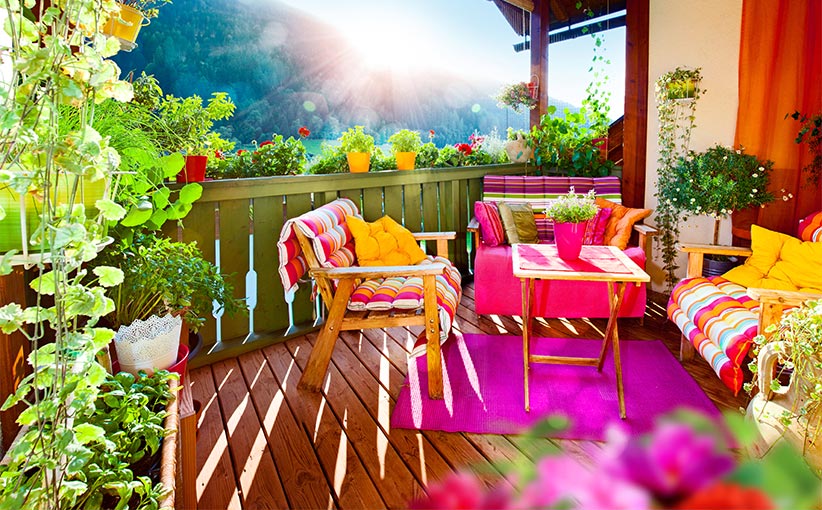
{"x":484,"y":388}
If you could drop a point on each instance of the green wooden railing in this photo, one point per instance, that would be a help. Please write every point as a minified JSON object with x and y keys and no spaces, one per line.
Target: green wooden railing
{"x":236,"y":224}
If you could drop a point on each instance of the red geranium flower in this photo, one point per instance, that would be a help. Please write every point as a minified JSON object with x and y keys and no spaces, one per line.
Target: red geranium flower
{"x":464,"y":148}
{"x":240,"y":152}
{"x":728,"y":496}
{"x":218,"y":154}
{"x":267,"y":142}
{"x":304,"y":132}
{"x":431,"y":132}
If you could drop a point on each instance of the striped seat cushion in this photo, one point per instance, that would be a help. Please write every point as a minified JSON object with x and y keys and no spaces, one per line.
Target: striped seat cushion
{"x":810,"y":227}
{"x":407,"y":294}
{"x":720,"y":319}
{"x":330,"y":237}
{"x":541,"y":191}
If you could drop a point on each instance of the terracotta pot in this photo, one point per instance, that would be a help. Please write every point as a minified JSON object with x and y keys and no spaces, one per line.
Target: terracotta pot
{"x":126,"y":26}
{"x":194,"y":171}
{"x":568,"y":237}
{"x":358,"y":162}
{"x":767,"y":408}
{"x":406,"y":160}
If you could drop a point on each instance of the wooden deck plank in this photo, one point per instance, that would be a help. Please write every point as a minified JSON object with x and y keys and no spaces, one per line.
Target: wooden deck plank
{"x":390,"y":474}
{"x":351,"y":484}
{"x":216,"y":485}
{"x":302,"y":478}
{"x":254,"y":468}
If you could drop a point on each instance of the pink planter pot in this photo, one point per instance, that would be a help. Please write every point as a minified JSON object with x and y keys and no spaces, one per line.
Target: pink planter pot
{"x":568,"y":237}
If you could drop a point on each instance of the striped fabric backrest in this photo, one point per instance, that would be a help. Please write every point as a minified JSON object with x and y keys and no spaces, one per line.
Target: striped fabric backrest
{"x":539,"y":191}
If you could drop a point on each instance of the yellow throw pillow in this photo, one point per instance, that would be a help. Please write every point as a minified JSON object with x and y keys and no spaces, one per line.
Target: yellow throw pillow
{"x":518,"y":220}
{"x":781,"y":262}
{"x":384,"y":243}
{"x":620,"y":223}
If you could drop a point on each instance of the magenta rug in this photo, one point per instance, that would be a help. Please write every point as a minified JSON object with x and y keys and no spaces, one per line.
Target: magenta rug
{"x":484,"y":390}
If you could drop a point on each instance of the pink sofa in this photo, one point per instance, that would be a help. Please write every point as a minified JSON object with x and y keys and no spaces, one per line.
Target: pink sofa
{"x":497,"y":291}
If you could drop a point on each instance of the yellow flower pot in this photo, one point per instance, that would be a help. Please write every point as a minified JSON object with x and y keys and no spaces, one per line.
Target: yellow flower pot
{"x":126,"y":26}
{"x":406,"y":160}
{"x":358,"y":162}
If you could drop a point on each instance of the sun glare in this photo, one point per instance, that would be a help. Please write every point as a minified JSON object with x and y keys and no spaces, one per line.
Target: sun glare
{"x":388,"y":45}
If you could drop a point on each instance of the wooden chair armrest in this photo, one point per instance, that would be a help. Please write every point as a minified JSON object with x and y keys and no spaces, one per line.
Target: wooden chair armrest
{"x":645,"y":230}
{"x":697,"y":252}
{"x":442,"y":239}
{"x":371,"y":272}
{"x":473,"y":225}
{"x":783,"y":297}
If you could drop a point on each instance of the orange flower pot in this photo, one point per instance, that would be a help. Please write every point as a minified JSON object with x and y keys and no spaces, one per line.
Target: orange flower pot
{"x":406,"y":160}
{"x":127,"y":24}
{"x":358,"y":162}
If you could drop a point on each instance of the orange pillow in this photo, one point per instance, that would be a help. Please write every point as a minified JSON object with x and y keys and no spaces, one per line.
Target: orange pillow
{"x":619,"y":226}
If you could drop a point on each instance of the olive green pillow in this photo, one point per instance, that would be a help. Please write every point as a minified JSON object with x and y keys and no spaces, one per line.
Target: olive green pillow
{"x":518,"y":220}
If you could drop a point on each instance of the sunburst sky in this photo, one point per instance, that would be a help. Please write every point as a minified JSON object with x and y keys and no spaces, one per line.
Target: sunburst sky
{"x":467,"y":36}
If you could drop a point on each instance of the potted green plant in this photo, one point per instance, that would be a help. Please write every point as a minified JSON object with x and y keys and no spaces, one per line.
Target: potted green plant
{"x":132,"y":16}
{"x":791,"y":413}
{"x":811,"y":134}
{"x":569,"y":213}
{"x":277,"y":156}
{"x":716,"y":183}
{"x":676,"y":122}
{"x":405,"y":145}
{"x":358,"y":147}
{"x":566,"y":145}
{"x":185,"y":124}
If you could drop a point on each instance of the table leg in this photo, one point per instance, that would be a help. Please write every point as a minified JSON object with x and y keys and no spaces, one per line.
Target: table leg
{"x":612,"y":335}
{"x":527,"y":296}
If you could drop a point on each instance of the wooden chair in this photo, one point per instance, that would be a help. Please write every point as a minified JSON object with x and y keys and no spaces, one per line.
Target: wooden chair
{"x":337,"y":285}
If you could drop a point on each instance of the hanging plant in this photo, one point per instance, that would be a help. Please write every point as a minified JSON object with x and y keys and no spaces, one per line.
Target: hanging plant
{"x":811,"y":134}
{"x":518,"y":95}
{"x":677,"y":119}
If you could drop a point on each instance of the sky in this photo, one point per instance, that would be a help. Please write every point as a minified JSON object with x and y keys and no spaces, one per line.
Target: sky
{"x":469,"y":36}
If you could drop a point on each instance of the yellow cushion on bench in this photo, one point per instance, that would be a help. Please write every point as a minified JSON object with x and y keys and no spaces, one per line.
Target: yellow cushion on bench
{"x":781,"y":262}
{"x":383,"y":243}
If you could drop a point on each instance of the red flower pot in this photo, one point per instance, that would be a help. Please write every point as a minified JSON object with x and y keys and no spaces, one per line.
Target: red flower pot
{"x":194,"y":171}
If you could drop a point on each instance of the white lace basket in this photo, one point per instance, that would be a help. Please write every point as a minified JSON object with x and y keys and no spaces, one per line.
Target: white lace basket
{"x":148,"y":345}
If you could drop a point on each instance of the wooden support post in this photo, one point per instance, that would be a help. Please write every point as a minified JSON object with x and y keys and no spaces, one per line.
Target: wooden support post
{"x":636,"y":103}
{"x":14,"y":349}
{"x":540,"y":21}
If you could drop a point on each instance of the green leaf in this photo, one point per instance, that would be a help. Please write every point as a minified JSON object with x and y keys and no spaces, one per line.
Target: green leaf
{"x":190,"y":193}
{"x":109,"y":276}
{"x":45,"y":283}
{"x":172,"y":164}
{"x":135,"y":217}
{"x":178,"y":211}
{"x":86,"y":433}
{"x":110,"y":209}
{"x":101,"y":337}
{"x":160,"y":198}
{"x":11,"y":318}
{"x":5,"y":262}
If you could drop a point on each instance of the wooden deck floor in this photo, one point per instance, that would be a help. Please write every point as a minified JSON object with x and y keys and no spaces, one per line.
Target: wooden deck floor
{"x":264,"y":444}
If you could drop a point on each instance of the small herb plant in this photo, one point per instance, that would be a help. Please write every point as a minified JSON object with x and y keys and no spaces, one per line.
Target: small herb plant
{"x":356,"y":140}
{"x":572,"y":207}
{"x":405,"y":140}
{"x":811,"y":134}
{"x":514,"y":134}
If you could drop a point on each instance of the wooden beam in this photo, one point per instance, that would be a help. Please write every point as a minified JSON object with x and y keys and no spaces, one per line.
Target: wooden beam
{"x":540,"y":21}
{"x":636,"y":103}
{"x":528,"y":5}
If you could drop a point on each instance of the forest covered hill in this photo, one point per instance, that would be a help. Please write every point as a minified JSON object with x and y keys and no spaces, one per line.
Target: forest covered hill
{"x":285,"y":69}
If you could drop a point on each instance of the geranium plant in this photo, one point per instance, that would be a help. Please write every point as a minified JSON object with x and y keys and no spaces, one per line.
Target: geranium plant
{"x":572,"y":207}
{"x":277,"y":156}
{"x":716,"y":183}
{"x":149,"y":8}
{"x":517,"y":96}
{"x":811,"y":134}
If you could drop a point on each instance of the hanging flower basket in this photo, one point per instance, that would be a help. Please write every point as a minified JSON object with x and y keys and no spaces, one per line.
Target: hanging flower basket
{"x":518,"y":96}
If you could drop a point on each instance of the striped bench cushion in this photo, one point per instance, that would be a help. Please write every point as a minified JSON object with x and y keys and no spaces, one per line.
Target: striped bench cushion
{"x":407,"y":294}
{"x":810,"y":227}
{"x":720,"y":320}
{"x":540,"y":191}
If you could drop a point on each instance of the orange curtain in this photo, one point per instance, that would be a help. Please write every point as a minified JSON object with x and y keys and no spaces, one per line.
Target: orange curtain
{"x":780,"y":71}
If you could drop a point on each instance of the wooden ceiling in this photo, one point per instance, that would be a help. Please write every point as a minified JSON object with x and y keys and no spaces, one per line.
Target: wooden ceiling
{"x":564,"y":13}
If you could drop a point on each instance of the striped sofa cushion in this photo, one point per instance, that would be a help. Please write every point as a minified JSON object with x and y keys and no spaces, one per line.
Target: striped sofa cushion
{"x":540,"y":191}
{"x":810,"y":227}
{"x":719,"y":318}
{"x":407,"y":294}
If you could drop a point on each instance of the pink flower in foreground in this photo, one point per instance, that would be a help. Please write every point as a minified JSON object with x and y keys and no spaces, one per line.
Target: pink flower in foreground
{"x":674,"y":462}
{"x":461,"y":491}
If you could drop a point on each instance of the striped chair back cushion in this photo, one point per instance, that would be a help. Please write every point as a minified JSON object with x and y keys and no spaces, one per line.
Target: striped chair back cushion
{"x":540,"y":191}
